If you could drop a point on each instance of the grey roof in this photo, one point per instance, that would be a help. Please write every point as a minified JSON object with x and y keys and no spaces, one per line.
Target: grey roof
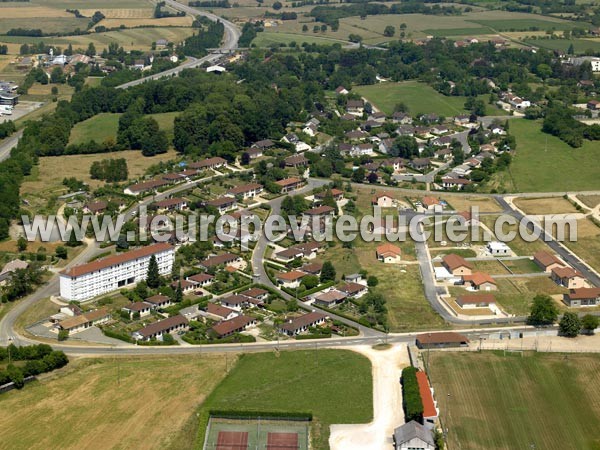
{"x":412,"y":430}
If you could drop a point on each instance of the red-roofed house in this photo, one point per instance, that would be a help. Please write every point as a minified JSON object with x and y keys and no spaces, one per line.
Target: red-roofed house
{"x":547,"y":261}
{"x":582,"y":297}
{"x":457,"y":265}
{"x":480,"y":281}
{"x":383,"y":200}
{"x":568,"y":277}
{"x":389,"y":253}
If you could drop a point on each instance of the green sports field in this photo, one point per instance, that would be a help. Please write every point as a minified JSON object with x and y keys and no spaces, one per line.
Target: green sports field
{"x":334,"y":385}
{"x":538,"y":401}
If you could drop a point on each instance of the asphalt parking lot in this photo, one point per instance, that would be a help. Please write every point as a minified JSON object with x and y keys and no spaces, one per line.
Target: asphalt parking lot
{"x":20,"y":110}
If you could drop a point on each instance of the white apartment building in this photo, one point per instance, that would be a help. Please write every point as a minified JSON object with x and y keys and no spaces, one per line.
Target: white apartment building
{"x":115,"y":272}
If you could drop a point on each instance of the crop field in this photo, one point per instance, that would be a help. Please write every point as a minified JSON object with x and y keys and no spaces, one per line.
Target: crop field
{"x":418,"y":97}
{"x":335,"y":385}
{"x":270,"y":39}
{"x":542,"y":401}
{"x":134,"y":402}
{"x":50,"y":25}
{"x":163,"y":22}
{"x":579,"y":45}
{"x":544,"y":163}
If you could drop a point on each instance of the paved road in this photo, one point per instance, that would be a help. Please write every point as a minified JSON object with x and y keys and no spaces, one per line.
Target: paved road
{"x":563,"y":252}
{"x":8,"y":144}
{"x":230,"y":41}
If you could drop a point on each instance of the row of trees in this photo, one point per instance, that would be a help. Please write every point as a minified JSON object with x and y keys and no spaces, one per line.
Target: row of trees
{"x":544,"y":312}
{"x":39,"y":358}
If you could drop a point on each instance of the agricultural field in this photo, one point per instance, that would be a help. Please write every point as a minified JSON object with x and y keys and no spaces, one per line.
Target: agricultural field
{"x":544,"y":163}
{"x":493,"y":401}
{"x":549,"y":205}
{"x":480,"y":23}
{"x":335,"y":385}
{"x":133,"y":402}
{"x":271,"y":39}
{"x":579,"y":45}
{"x":418,"y":97}
{"x":104,"y":126}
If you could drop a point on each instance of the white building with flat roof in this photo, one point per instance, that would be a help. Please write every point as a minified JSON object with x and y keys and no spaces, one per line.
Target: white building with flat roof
{"x":114,"y":272}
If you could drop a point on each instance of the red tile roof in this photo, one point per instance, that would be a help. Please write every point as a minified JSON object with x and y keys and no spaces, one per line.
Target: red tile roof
{"x":230,"y":326}
{"x":454,"y":261}
{"x":426,"y":396}
{"x":476,"y":299}
{"x":479,"y":278}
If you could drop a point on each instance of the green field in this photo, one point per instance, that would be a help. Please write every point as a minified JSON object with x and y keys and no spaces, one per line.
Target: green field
{"x":104,"y":126}
{"x":418,"y":97}
{"x":458,"y":31}
{"x":544,"y":163}
{"x":526,"y":24}
{"x":579,"y":45}
{"x":49,"y":25}
{"x":541,"y":401}
{"x":267,"y":39}
{"x":335,"y":385}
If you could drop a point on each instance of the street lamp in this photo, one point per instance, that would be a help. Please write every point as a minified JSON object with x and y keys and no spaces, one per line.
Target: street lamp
{"x":10,"y":340}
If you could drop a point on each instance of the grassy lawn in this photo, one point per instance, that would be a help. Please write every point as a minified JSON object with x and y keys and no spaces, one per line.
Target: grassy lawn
{"x":522,"y":266}
{"x":418,"y":97}
{"x":544,"y":163}
{"x":518,"y":245}
{"x":335,"y":385}
{"x":492,"y":267}
{"x":500,"y":401}
{"x":537,"y":206}
{"x":268,"y":39}
{"x":516,"y":294}
{"x":589,"y":200}
{"x":464,"y":252}
{"x":579,"y":45}
{"x":134,"y":402}
{"x":465,"y":203}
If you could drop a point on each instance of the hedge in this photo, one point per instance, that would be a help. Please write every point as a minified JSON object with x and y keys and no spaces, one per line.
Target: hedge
{"x":233,"y":414}
{"x":117,"y":335}
{"x":412,"y":403}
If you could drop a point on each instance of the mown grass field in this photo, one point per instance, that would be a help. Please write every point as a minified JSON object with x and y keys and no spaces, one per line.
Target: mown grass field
{"x":134,"y":402}
{"x":335,"y":385}
{"x":542,"y":401}
{"x":587,"y":245}
{"x":579,"y":45}
{"x":105,"y":125}
{"x":548,"y":205}
{"x":267,"y":39}
{"x":418,"y":97}
{"x":544,"y":163}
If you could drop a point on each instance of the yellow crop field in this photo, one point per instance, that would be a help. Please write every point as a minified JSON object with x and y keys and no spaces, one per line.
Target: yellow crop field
{"x":32,"y":11}
{"x":120,"y":13}
{"x":164,"y":22}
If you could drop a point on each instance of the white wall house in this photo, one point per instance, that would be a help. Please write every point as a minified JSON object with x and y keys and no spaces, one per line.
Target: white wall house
{"x":115,"y":272}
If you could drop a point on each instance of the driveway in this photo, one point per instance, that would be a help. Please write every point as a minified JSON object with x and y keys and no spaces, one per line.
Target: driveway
{"x":387,"y":403}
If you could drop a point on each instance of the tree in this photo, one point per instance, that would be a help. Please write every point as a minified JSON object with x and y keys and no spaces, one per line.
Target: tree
{"x":327,"y":272}
{"x":245,"y":160}
{"x":389,"y":31}
{"x":22,"y":243}
{"x":153,"y":278}
{"x":543,"y":311}
{"x":570,"y":324}
{"x":304,"y":28}
{"x":73,"y":241}
{"x":91,"y":50}
{"x":372,"y":281}
{"x":63,"y":335}
{"x":310,"y":281}
{"x":61,"y":252}
{"x":405,"y":147}
{"x":178,"y":294}
{"x":358,"y":175}
{"x":590,"y":323}
{"x":372,"y":178}
{"x":277,"y":6}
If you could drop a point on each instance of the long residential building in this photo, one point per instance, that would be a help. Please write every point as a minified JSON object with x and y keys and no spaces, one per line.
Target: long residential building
{"x":114,"y":272}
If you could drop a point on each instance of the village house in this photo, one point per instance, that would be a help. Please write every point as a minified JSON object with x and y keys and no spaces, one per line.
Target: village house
{"x":386,"y":145}
{"x":236,"y":302}
{"x":457,"y":265}
{"x":296,"y":161}
{"x":244,"y":191}
{"x":402,"y":118}
{"x":445,"y":339}
{"x":82,"y":322}
{"x":223,"y":204}
{"x":516,"y":102}
{"x":10,"y":268}
{"x":329,"y":298}
{"x":201,"y":279}
{"x":98,"y":277}
{"x":146,"y":186}
{"x":256,"y":293}
{"x":158,"y":330}
{"x":377,"y":116}
{"x":354,"y":290}
{"x":173,"y":178}
{"x":264,"y":144}
{"x":218,"y":312}
{"x":496,"y":248}
{"x":159,"y":301}
{"x":420,"y":164}
{"x":142,"y":308}
{"x":232,"y":326}
{"x":209,"y":163}
{"x":568,"y":277}
{"x":355,"y":107}
{"x":95,"y":207}
{"x":455,"y":183}
{"x":228,"y":259}
{"x":341,"y":90}
{"x":337,"y":195}
{"x":187,"y":287}
{"x":474,"y":301}
{"x":289,"y":184}
{"x":439,"y":129}
{"x":389,"y":253}
{"x":313,"y":268}
{"x":413,"y":436}
{"x":290,"y":280}
{"x":480,"y":281}
{"x":582,"y":297}
{"x":594,"y":105}
{"x":431,"y":203}
{"x":301,"y":324}
{"x":254,"y":153}
{"x":356,"y":135}
{"x":171,"y":204}
{"x":383,"y":200}
{"x":310,"y":129}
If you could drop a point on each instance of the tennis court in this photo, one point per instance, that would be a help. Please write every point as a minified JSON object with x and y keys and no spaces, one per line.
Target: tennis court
{"x":256,"y":434}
